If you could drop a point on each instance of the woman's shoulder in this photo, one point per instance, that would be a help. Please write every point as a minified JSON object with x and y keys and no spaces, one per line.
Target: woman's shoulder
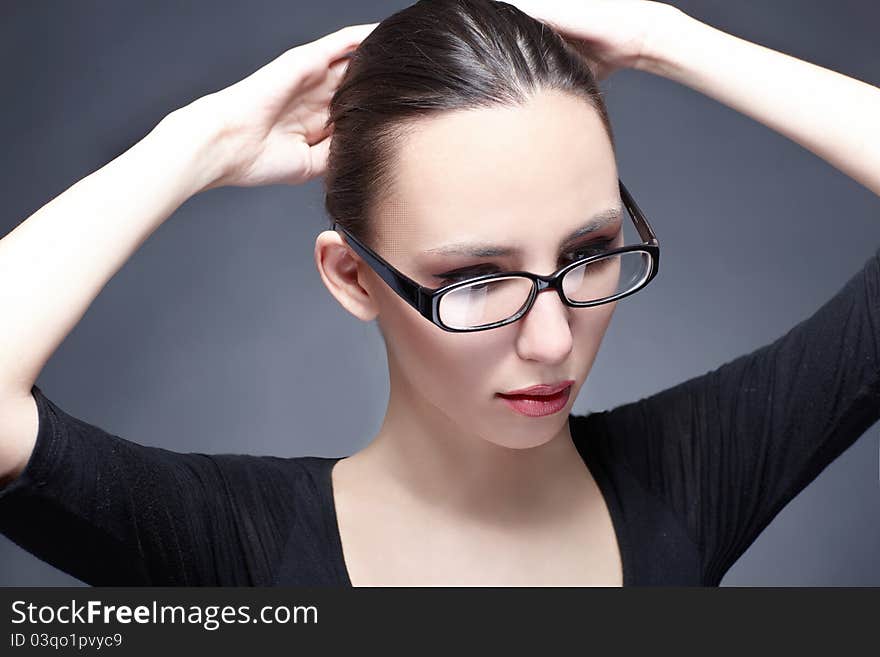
{"x":267,"y":471}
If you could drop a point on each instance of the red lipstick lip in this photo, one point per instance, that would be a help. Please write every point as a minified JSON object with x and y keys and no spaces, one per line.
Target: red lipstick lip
{"x":540,"y":389}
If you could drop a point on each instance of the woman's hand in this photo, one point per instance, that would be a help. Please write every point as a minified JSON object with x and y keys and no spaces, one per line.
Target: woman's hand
{"x":272,"y":125}
{"x":778,"y":90}
{"x":614,"y":34}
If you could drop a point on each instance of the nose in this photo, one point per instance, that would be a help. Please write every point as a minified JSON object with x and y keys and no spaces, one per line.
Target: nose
{"x":545,"y":334}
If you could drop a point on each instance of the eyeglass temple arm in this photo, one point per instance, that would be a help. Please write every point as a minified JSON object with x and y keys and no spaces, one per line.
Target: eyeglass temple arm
{"x":646,"y":232}
{"x":414,"y":294}
{"x":407,"y":288}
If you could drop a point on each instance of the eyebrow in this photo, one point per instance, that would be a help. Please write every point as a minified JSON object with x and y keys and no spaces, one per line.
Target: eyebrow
{"x":486,"y":250}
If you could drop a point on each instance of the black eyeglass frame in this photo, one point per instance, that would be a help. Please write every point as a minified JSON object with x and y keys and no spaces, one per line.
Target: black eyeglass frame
{"x":427,"y":300}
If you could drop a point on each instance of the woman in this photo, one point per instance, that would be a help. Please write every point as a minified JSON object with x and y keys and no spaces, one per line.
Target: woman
{"x":469,"y":164}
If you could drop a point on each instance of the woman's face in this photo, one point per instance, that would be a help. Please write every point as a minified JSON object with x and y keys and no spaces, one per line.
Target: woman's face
{"x":524,"y":178}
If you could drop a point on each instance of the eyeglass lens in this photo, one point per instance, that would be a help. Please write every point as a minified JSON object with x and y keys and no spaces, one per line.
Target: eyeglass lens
{"x":488,"y":302}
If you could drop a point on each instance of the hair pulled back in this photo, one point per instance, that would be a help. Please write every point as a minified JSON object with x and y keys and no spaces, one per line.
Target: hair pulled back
{"x":432,"y":57}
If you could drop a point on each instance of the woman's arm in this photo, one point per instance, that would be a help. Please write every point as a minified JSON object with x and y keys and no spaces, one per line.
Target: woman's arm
{"x":271,"y":127}
{"x":834,"y":116}
{"x":54,"y":264}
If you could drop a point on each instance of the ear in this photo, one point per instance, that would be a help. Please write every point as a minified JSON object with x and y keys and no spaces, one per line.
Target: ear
{"x":345,"y":276}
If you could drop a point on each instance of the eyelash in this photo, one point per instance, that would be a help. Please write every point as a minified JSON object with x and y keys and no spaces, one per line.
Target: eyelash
{"x":584,"y":251}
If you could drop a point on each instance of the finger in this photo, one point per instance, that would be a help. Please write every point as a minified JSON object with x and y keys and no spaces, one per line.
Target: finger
{"x":322,"y":127}
{"x":560,"y":16}
{"x":328,"y":49}
{"x":537,"y":9}
{"x":341,"y":42}
{"x":338,"y":69}
{"x":309,"y":62}
{"x":318,"y":155}
{"x":586,"y":54}
{"x":531,"y":7}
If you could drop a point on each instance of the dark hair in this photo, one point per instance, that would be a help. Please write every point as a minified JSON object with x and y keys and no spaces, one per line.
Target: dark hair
{"x":431,"y":57}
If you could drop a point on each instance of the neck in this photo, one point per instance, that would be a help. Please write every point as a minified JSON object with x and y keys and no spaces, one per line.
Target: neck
{"x":428,"y":457}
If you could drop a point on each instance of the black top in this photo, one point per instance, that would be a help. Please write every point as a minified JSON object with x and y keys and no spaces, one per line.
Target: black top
{"x":691,"y":475}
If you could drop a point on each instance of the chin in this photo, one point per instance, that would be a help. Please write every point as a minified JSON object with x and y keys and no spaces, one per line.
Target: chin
{"x":526,"y":436}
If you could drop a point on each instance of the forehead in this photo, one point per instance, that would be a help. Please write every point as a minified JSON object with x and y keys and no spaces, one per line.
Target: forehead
{"x":523,"y":173}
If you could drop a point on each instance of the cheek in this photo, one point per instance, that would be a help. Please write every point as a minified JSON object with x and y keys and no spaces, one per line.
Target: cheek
{"x":588,"y":327}
{"x":443,"y":364}
{"x":450,"y":368}
{"x":456,"y":358}
{"x":592,"y":322}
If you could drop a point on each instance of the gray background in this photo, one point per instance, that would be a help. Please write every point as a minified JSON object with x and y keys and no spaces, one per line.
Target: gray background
{"x":203,"y":341}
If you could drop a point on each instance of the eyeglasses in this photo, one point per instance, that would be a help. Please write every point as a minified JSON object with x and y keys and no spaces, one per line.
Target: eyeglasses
{"x":494,"y":300}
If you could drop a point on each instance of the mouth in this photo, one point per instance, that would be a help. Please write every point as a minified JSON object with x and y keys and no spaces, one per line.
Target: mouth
{"x":540,"y":390}
{"x":537,"y":405}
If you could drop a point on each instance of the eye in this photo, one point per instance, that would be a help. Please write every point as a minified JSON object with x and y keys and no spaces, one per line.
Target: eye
{"x":457,"y":277}
{"x":588,"y":250}
{"x":592,"y":248}
{"x":464,"y":274}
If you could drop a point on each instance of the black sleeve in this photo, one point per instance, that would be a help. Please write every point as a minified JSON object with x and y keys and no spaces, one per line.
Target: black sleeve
{"x":730,"y":448}
{"x":110,"y":511}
